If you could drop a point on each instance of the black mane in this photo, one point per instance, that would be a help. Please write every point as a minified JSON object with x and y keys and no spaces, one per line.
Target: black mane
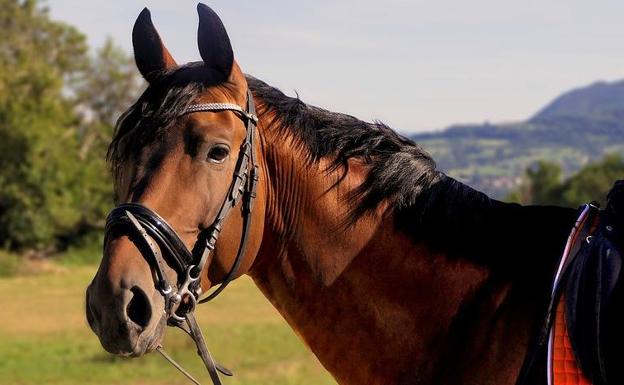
{"x":428,"y":205}
{"x":400,"y":171}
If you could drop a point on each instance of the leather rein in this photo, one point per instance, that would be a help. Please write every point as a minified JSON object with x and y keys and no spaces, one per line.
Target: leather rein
{"x":160,"y":245}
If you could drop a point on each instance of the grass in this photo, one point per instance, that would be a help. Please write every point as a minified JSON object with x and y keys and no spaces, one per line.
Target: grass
{"x":9,"y":263}
{"x":44,"y":338}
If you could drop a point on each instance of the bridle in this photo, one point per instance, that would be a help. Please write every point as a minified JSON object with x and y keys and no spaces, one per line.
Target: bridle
{"x":156,"y":239}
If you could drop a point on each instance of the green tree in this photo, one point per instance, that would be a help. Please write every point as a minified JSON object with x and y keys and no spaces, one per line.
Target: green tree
{"x":57,"y":110}
{"x":543,"y":183}
{"x":107,"y":89}
{"x":37,"y":165}
{"x":594,"y":181}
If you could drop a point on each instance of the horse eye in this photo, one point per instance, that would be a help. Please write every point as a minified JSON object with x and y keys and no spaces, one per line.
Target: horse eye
{"x":218,"y":153}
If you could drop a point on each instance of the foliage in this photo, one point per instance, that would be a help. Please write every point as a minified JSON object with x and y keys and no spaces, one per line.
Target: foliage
{"x":110,"y":86}
{"x":83,"y":251}
{"x":594,"y":181}
{"x":37,"y":171}
{"x":543,"y":183}
{"x":580,"y":126}
{"x":54,"y":103}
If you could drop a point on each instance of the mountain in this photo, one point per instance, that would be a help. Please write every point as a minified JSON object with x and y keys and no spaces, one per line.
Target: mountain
{"x":577,"y":127}
{"x":598,"y":100}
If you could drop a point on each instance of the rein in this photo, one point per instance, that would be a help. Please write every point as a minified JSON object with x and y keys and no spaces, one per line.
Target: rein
{"x":156,"y":239}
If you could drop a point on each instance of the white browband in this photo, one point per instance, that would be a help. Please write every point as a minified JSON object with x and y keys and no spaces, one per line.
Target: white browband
{"x":201,"y":107}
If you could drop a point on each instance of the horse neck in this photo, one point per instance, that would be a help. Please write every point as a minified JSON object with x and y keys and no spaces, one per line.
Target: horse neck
{"x":377,"y":303}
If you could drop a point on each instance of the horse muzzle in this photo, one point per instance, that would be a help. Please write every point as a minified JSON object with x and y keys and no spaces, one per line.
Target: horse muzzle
{"x":127,"y":323}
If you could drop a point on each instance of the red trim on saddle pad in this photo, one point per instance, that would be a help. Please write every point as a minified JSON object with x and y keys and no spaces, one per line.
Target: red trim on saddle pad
{"x":565,"y":369}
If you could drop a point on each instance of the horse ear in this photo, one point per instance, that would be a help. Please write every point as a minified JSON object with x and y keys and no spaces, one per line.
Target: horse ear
{"x":150,"y":54}
{"x":214,"y":43}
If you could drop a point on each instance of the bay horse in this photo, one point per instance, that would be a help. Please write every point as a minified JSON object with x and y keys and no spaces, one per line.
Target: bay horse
{"x":389,"y":270}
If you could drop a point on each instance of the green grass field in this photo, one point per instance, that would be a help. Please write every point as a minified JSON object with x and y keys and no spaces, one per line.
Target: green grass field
{"x":44,"y":339}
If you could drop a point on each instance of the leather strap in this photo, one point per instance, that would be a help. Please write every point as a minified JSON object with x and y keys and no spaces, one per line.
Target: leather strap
{"x":153,"y":229}
{"x":252,"y":185}
{"x":157,"y":228}
{"x":580,"y":229}
{"x":202,"y":349}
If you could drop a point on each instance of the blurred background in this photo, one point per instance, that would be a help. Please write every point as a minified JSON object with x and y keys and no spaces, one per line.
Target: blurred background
{"x":540,"y":82}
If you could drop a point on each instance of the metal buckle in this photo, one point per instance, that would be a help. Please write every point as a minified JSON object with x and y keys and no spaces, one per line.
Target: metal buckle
{"x":186,"y":292}
{"x":253,"y":118}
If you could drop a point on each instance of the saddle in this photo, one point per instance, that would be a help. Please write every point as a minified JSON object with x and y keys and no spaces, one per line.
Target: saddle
{"x":587,"y":335}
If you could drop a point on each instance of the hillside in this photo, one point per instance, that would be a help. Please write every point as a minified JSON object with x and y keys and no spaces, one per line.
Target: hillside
{"x":577,"y":127}
{"x":599,"y":100}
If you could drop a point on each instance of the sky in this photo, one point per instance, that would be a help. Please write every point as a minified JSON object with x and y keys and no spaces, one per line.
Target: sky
{"x":416,"y":65}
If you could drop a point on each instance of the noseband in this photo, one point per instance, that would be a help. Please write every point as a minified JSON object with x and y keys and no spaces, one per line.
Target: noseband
{"x":160,"y":245}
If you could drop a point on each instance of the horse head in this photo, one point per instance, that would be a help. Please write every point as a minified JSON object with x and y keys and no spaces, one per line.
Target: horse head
{"x":183,"y":158}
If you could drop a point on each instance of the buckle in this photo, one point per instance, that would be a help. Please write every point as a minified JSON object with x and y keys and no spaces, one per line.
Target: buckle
{"x":186,"y":296}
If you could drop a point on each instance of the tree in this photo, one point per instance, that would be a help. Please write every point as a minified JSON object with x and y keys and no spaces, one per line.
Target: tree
{"x":37,"y":57}
{"x":543,"y":183}
{"x":594,"y":181}
{"x":107,"y":89}
{"x":57,"y":111}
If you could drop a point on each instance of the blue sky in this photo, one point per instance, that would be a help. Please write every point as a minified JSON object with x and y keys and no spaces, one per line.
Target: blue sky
{"x":416,"y":65}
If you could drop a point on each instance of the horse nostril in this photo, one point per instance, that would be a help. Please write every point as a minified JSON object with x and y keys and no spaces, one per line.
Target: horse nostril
{"x":139,"y":310}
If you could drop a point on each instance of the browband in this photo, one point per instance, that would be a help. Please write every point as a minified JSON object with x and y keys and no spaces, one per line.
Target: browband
{"x":204,"y":107}
{"x":155,"y":239}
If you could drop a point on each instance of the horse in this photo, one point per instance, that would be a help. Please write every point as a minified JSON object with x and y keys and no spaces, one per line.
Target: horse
{"x":390,"y":271}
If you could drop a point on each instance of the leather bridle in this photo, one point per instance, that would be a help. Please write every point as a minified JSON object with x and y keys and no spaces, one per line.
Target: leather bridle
{"x":160,"y":245}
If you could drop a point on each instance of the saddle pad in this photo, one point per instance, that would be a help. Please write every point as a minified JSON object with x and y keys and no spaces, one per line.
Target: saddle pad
{"x":564,"y":365}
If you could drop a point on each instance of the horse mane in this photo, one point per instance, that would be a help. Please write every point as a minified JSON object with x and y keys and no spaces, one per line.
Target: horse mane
{"x":428,"y":205}
{"x":400,"y":171}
